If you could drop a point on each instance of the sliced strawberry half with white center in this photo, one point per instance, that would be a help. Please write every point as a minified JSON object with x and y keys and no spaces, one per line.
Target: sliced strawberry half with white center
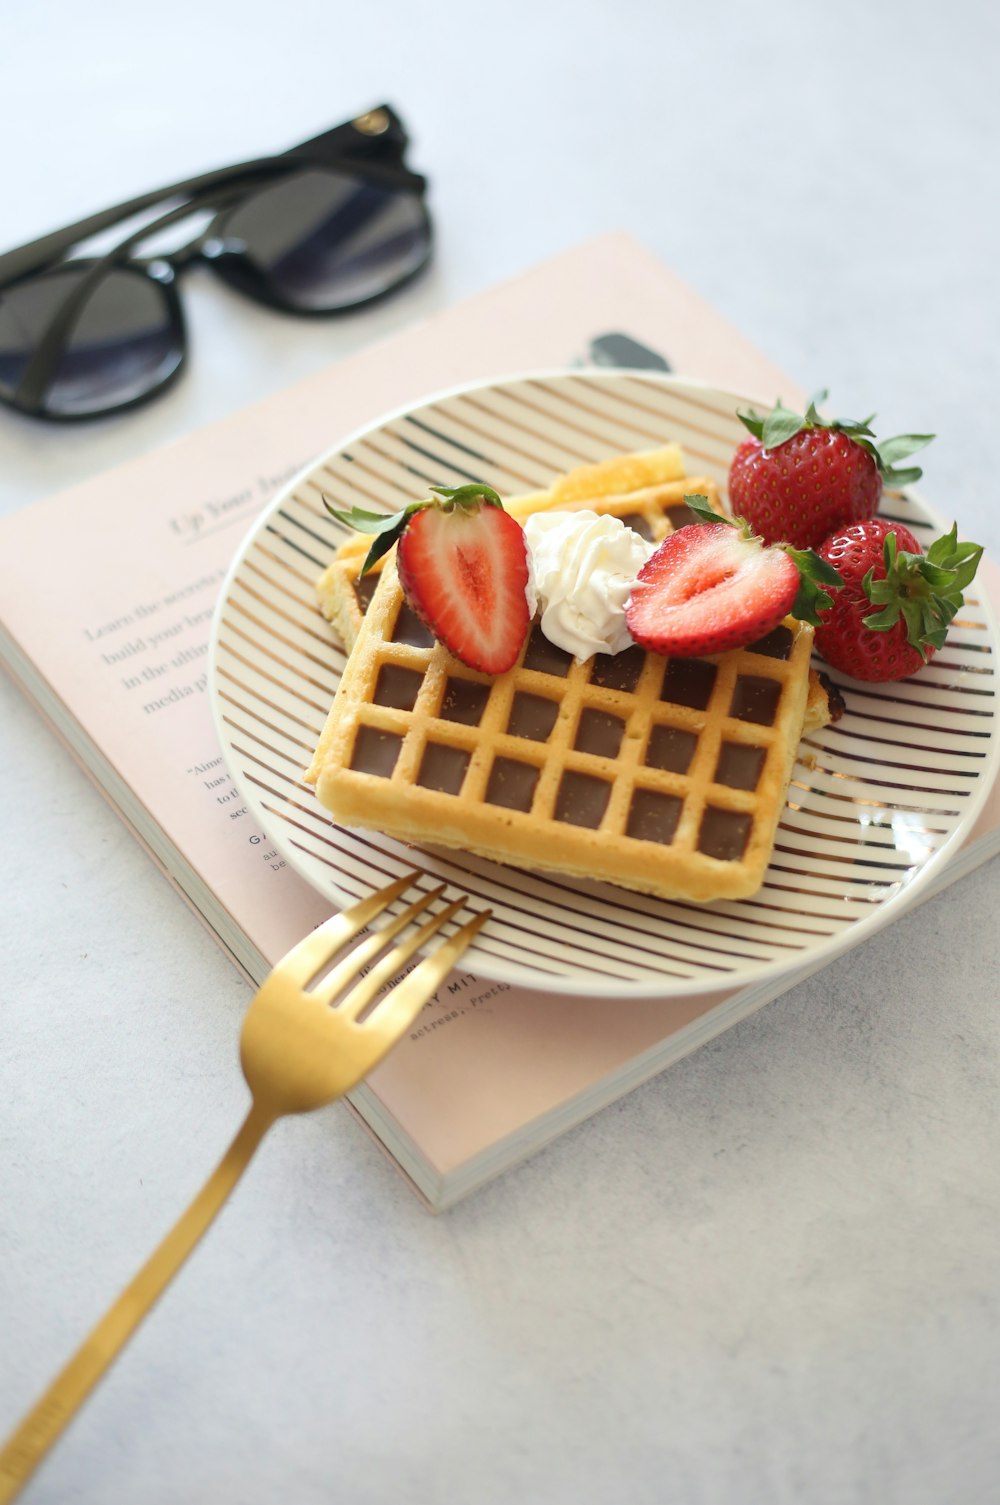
{"x":465,"y":573}
{"x":713,"y":586}
{"x":463,"y":567}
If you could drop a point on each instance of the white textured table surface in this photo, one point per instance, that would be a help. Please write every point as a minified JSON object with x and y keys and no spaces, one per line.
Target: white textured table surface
{"x":771,"y":1275}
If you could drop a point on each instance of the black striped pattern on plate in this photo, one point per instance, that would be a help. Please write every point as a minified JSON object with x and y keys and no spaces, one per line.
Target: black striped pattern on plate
{"x":873,"y":799}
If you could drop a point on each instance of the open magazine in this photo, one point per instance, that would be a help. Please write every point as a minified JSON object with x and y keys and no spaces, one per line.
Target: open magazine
{"x":115,"y":655}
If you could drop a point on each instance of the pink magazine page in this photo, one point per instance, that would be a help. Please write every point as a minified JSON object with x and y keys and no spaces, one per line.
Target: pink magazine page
{"x":119,"y":647}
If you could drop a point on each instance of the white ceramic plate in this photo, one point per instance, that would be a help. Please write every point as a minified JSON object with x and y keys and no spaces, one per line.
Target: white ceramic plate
{"x":876,"y":801}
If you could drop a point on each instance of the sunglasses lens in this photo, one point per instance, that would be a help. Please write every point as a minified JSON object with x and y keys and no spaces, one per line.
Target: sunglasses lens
{"x":321,"y":241}
{"x":125,"y":343}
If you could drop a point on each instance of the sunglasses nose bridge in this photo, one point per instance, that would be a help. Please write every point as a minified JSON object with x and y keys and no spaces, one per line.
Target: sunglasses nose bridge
{"x":199,"y":248}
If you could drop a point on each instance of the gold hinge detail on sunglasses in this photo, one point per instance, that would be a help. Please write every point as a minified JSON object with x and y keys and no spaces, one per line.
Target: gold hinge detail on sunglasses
{"x":372,"y":123}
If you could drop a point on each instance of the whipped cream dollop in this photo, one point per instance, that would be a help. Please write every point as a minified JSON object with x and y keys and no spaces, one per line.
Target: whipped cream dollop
{"x":582,"y":569}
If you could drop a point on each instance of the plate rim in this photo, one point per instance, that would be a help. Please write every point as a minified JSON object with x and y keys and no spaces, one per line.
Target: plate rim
{"x":803,"y":962}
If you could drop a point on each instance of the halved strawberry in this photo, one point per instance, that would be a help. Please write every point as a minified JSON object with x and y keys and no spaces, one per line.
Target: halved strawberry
{"x":463,"y":567}
{"x":713,"y":586}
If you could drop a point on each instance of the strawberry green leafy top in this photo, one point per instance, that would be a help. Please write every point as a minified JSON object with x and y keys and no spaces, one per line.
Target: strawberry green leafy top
{"x":924,"y":589}
{"x":387,"y":527}
{"x":781,"y":424}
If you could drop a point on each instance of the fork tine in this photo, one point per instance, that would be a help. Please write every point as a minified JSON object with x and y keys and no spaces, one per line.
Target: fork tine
{"x":315,"y":950}
{"x":367,"y":987}
{"x":397,"y":1010}
{"x":344,"y":972}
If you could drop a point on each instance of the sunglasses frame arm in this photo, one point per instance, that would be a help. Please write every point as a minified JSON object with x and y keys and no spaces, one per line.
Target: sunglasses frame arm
{"x":328,"y":150}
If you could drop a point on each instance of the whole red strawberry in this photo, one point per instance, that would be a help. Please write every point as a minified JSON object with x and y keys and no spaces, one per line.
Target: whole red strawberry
{"x":713,"y":585}
{"x":463,"y":567}
{"x":799,"y":478}
{"x":893,"y":612}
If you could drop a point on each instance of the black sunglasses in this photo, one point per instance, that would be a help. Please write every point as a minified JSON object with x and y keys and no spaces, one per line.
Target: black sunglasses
{"x":325,"y":227}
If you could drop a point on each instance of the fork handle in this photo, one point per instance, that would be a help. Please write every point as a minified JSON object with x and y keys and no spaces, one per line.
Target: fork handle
{"x":29,"y":1443}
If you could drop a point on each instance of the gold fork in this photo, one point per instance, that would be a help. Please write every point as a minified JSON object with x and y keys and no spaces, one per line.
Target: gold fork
{"x":298,"y":1052}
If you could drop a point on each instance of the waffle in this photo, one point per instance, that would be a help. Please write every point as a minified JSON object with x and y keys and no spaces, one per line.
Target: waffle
{"x":646,"y":490}
{"x":663,"y":775}
{"x":640,"y":488}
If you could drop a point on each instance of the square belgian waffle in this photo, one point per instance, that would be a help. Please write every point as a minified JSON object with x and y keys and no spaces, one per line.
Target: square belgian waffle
{"x":646,"y":490}
{"x":662,"y":775}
